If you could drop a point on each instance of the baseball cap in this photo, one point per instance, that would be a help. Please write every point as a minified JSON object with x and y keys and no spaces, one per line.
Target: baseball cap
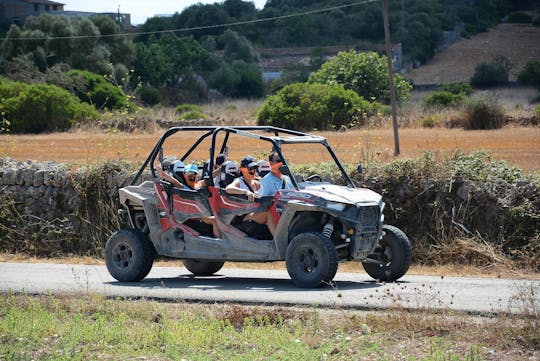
{"x":248,"y":162}
{"x":191,"y":168}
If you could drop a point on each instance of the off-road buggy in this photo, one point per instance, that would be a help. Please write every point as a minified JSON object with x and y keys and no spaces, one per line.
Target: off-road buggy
{"x":318,"y":224}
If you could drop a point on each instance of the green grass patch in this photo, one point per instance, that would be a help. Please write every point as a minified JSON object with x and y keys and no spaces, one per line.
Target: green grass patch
{"x":90,"y":327}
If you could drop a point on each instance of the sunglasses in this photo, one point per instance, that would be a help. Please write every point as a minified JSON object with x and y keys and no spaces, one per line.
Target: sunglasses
{"x":276,"y":160}
{"x":252,"y":170}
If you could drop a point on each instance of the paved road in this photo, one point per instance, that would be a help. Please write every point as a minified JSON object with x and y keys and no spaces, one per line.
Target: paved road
{"x":354,"y":290}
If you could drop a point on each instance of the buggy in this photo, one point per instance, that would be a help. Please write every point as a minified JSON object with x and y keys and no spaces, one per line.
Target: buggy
{"x":317,"y":223}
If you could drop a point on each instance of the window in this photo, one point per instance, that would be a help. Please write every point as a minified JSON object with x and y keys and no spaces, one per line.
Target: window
{"x":36,"y":7}
{"x":46,"y":7}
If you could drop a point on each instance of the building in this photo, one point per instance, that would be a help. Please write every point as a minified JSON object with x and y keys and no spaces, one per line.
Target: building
{"x":16,"y":11}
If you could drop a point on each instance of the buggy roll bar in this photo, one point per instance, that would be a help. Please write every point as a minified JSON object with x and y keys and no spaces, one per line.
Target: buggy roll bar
{"x":280,"y":136}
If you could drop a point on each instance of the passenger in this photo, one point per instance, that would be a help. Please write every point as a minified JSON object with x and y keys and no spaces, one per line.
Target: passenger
{"x":248,"y":185}
{"x":229,"y":172}
{"x":177,"y":177}
{"x":216,"y":173}
{"x":275,"y":180}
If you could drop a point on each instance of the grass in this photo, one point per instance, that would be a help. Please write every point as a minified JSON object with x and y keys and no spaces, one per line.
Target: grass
{"x":91,"y":327}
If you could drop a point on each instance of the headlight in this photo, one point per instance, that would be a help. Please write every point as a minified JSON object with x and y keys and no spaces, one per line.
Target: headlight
{"x":336,"y":206}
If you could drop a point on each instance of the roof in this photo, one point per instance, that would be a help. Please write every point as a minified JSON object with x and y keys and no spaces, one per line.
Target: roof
{"x":46,"y":2}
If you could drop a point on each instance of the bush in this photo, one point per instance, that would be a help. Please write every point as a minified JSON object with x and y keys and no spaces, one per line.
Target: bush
{"x":490,"y":74}
{"x":430,"y":121}
{"x":483,"y":113}
{"x":536,"y":21}
{"x":364,"y":73}
{"x":520,"y":18}
{"x":304,"y":106}
{"x":443,"y":99}
{"x":94,"y":89}
{"x":42,"y":108}
{"x":182,"y":108}
{"x":150,"y":95}
{"x":458,"y":88}
{"x":530,"y":74}
{"x":191,"y":115}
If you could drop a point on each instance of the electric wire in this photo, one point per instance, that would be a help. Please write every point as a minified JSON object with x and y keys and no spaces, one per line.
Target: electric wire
{"x":195,"y":28}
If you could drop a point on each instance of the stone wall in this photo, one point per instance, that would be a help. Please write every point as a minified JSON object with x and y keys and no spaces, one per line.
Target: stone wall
{"x":47,"y":203}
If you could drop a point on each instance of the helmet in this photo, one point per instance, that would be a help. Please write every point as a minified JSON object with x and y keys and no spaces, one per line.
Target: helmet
{"x":229,"y":171}
{"x":264,"y":167}
{"x":178,"y":169}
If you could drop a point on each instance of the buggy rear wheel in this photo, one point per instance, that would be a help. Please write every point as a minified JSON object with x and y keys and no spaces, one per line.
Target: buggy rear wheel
{"x":394,"y":254}
{"x":311,"y":260}
{"x":129,"y":255}
{"x":202,"y":268}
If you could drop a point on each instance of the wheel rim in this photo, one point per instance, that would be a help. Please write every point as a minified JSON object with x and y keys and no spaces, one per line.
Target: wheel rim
{"x":122,"y":256}
{"x":308,"y":260}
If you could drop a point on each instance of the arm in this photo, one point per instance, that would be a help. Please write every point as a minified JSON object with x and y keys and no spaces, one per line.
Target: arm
{"x":234,"y":188}
{"x":168,"y":178}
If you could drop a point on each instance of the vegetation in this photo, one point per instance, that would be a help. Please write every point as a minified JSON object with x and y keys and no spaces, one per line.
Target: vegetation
{"x":491,"y":74}
{"x":482,"y":113}
{"x":37,"y":108}
{"x":91,"y":327}
{"x":305,"y":106}
{"x":443,"y":99}
{"x":519,"y":17}
{"x":530,"y":74}
{"x":364,"y":73}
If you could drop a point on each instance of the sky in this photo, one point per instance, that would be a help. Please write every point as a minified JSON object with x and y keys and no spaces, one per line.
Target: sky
{"x":140,"y":10}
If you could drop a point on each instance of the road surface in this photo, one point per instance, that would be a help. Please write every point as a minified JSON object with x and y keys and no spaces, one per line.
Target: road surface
{"x":271,"y":287}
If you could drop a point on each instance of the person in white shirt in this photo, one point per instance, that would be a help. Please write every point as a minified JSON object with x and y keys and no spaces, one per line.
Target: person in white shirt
{"x":248,"y":185}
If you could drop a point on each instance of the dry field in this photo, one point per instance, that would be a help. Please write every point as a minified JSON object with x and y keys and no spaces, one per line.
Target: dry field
{"x":519,"y":146}
{"x":516,"y":42}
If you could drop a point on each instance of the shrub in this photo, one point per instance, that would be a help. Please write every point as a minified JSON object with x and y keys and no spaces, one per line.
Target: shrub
{"x":537,"y":111}
{"x":364,"y":73}
{"x":94,"y":89}
{"x":150,"y":95}
{"x":182,"y":108}
{"x":304,"y":106}
{"x":490,"y":74}
{"x":483,"y":113}
{"x":443,"y":99}
{"x":530,"y":74}
{"x":458,"y":88}
{"x":536,"y":21}
{"x":192,"y":114}
{"x":43,"y":108}
{"x":520,"y":18}
{"x":430,"y":121}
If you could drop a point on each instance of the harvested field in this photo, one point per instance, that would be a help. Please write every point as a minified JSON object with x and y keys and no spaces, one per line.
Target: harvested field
{"x":516,"y":42}
{"x":520,"y":146}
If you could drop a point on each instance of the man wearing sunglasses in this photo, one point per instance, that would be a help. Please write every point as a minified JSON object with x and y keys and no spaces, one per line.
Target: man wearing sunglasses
{"x":275,"y":180}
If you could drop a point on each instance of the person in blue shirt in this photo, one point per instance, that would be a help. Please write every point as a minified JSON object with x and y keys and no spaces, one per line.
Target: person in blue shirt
{"x":275,"y":180}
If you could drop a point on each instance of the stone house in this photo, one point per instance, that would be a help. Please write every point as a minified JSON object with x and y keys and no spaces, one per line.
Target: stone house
{"x":15,"y":11}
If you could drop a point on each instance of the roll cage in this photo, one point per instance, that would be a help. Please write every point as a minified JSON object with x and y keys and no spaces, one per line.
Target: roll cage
{"x":276,"y":136}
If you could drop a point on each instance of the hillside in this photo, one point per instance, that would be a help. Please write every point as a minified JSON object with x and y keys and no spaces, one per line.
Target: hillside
{"x":517,"y":42}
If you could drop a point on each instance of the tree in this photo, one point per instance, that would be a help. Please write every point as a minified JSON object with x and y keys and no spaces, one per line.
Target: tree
{"x":364,"y":73}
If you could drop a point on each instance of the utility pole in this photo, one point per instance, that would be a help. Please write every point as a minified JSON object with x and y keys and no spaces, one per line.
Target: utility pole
{"x":390,"y":75}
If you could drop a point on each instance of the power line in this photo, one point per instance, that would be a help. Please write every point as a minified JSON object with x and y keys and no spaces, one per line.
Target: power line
{"x":237,"y":23}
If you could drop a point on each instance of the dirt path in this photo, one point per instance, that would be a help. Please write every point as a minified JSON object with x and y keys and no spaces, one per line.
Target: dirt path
{"x":519,"y":146}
